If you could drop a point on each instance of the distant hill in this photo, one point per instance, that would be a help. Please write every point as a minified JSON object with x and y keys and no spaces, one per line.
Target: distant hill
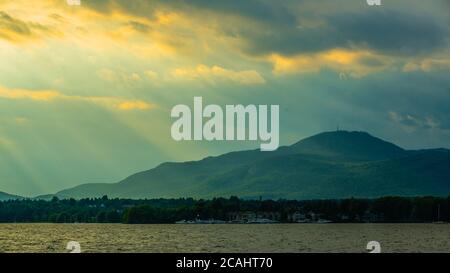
{"x":6,"y":196}
{"x":348,"y":146}
{"x":336,"y":164}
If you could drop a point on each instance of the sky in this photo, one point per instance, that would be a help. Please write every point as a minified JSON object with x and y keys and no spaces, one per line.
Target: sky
{"x":86,"y":91}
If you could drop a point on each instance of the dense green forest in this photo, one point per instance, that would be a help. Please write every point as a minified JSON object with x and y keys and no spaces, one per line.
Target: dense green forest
{"x":105,"y":210}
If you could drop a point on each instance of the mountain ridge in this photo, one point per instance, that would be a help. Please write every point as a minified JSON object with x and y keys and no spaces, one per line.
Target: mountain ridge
{"x":335,"y":164}
{"x":6,"y":196}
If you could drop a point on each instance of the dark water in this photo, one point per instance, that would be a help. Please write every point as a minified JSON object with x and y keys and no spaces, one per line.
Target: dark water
{"x":225,"y":238}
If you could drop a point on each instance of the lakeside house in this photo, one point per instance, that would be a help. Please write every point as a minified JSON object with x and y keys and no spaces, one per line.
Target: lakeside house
{"x":253,"y":217}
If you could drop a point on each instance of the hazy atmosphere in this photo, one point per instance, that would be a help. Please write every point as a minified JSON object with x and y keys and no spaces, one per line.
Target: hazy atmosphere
{"x":86,"y":91}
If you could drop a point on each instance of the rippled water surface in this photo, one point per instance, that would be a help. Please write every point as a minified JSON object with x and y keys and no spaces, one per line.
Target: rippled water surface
{"x":225,"y":238}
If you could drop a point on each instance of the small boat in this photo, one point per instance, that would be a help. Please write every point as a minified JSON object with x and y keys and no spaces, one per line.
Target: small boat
{"x":323,"y":221}
{"x":262,"y":221}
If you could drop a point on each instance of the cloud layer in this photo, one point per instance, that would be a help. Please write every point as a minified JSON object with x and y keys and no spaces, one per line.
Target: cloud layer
{"x":91,"y":86}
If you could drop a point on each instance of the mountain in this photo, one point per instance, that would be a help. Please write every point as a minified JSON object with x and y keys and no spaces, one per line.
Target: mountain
{"x":336,"y":164}
{"x":347,"y":145}
{"x":6,"y":196}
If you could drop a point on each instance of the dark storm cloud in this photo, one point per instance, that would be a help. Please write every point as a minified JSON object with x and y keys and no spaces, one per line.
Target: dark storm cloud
{"x":391,"y":32}
{"x":291,"y":41}
{"x":387,"y":32}
{"x":273,"y":12}
{"x":416,"y":100}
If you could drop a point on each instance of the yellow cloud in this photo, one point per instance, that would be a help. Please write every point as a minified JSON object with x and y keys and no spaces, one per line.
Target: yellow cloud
{"x":46,"y":96}
{"x":17,"y":30}
{"x":12,"y":29}
{"x":134,"y":105}
{"x":43,"y":95}
{"x":109,"y":29}
{"x":290,"y":65}
{"x":215,"y":74}
{"x":342,"y":57}
{"x":354,"y":63}
{"x":166,"y":36}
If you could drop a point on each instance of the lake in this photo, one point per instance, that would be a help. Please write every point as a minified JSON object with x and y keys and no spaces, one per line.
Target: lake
{"x":225,"y":238}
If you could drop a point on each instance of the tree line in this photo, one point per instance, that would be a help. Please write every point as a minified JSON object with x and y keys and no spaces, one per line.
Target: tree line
{"x":156,"y":211}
